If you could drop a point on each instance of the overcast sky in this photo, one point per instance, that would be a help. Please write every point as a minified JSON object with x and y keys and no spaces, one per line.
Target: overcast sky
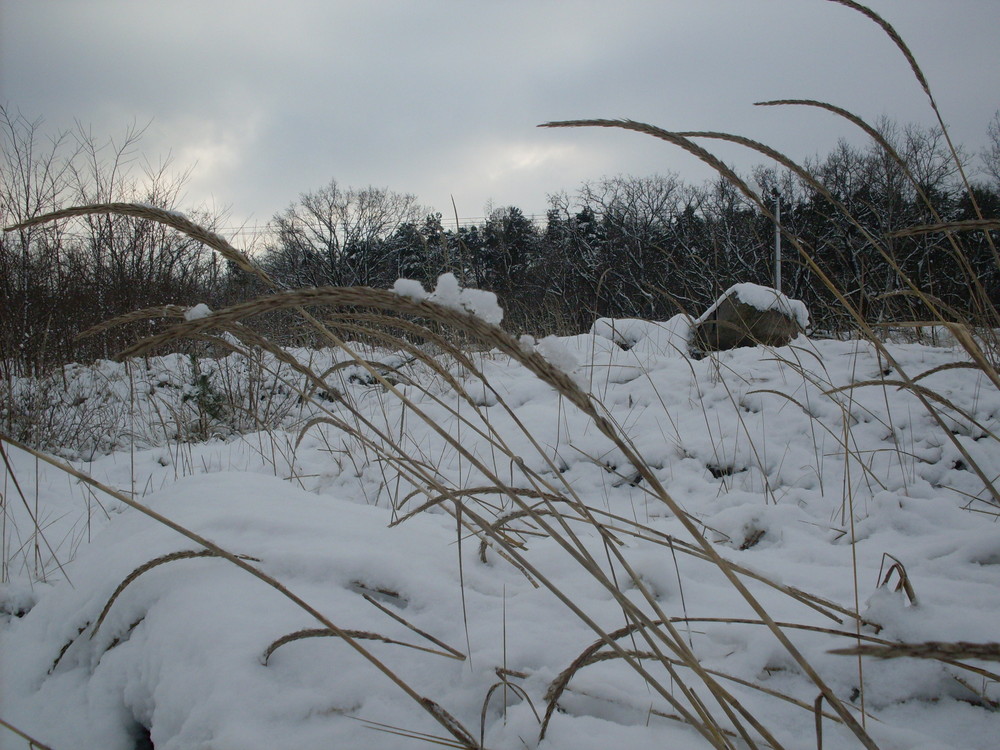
{"x":440,"y":98}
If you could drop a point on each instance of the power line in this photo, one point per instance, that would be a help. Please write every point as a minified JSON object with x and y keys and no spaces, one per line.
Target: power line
{"x":448,"y":222}
{"x":260,"y":231}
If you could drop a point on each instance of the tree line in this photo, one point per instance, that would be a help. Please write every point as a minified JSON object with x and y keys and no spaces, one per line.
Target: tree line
{"x":59,"y":279}
{"x":653,"y":246}
{"x":622,"y":246}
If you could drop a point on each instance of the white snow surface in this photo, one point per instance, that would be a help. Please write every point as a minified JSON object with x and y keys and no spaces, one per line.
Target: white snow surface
{"x":763,"y":298}
{"x":782,"y":473}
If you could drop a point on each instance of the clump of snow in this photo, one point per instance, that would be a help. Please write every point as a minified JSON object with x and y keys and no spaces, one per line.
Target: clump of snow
{"x":409,"y":288}
{"x":763,"y":298}
{"x":197,"y":312}
{"x":450,"y":293}
{"x":169,"y":211}
{"x":557,"y":354}
{"x":16,"y":600}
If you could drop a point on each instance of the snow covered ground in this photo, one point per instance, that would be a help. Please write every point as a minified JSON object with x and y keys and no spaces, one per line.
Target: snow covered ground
{"x":840,"y":494}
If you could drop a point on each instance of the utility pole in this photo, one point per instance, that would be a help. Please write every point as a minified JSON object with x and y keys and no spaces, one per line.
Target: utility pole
{"x":777,"y":238}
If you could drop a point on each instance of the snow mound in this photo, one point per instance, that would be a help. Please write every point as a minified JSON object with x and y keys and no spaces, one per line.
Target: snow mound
{"x":662,"y":338}
{"x":204,"y":616}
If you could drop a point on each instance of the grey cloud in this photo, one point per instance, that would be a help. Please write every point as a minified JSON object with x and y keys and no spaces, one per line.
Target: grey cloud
{"x":441,"y":98}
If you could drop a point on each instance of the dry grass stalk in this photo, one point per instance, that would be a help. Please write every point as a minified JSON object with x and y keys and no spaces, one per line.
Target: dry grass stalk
{"x":922,"y":80}
{"x":903,"y":584}
{"x":593,"y":655}
{"x":32,"y":742}
{"x":454,"y":653}
{"x":970,"y":225}
{"x":506,"y":685}
{"x":896,"y":39}
{"x":145,"y":567}
{"x":948,"y":366}
{"x":171,"y":218}
{"x":853,"y":635}
{"x":148,"y":313}
{"x":930,"y":650}
{"x":66,"y":645}
{"x":361,"y":635}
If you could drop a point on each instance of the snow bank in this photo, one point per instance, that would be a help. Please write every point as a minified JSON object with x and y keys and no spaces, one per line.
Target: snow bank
{"x":181,"y":650}
{"x":751,"y":446}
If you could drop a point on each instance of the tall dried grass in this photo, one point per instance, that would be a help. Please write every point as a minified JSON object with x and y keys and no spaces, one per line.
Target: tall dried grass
{"x":652,"y":643}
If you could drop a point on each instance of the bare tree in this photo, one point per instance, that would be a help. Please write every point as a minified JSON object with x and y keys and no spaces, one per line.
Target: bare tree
{"x":991,"y":154}
{"x":35,"y":177}
{"x":338,"y":236}
{"x":615,"y":238}
{"x":58,"y":279}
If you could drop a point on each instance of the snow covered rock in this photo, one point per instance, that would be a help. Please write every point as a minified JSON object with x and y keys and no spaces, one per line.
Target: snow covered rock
{"x":749,"y":315}
{"x":197,"y":312}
